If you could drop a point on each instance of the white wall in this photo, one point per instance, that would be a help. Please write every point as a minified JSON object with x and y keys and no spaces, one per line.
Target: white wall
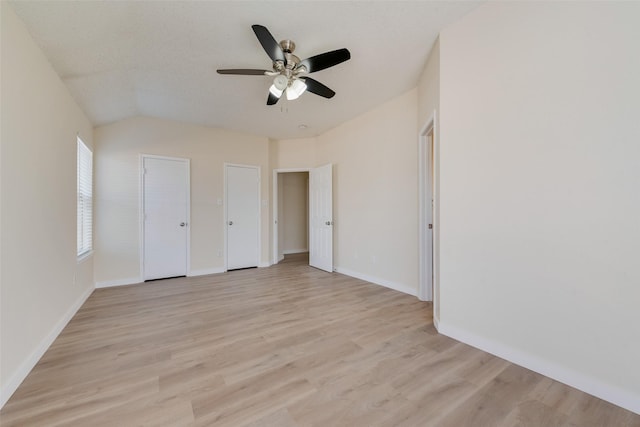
{"x":42,"y":284}
{"x":294,"y":217}
{"x":118,"y":147}
{"x":539,"y":194}
{"x":375,"y":184}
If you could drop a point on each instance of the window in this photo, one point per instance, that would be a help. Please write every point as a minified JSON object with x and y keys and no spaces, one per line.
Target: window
{"x":85,"y":199}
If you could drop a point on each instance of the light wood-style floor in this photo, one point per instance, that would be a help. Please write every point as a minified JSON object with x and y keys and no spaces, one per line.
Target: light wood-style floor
{"x":281,"y":346}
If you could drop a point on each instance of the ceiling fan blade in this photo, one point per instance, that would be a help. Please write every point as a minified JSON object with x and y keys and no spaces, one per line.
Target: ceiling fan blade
{"x":318,"y":88}
{"x":244,"y":72}
{"x":325,"y":60}
{"x":269,"y":44}
{"x":272,"y":100}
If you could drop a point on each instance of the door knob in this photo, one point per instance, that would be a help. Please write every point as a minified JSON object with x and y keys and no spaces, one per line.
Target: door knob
{"x":182,"y":224}
{"x":230,"y":222}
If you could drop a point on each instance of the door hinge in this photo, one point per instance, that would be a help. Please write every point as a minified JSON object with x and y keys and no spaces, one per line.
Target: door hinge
{"x":430,"y":226}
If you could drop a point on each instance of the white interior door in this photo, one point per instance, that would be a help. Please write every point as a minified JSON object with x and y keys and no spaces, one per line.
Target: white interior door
{"x":243,"y":216}
{"x":165,"y":217}
{"x":321,"y":218}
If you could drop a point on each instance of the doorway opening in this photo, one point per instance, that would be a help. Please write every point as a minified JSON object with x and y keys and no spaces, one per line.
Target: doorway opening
{"x":290,"y":213}
{"x":319,"y":214}
{"x":427,"y":190}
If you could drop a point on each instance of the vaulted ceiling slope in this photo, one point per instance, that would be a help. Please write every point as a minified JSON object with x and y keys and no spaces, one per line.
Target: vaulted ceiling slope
{"x":159,"y":58}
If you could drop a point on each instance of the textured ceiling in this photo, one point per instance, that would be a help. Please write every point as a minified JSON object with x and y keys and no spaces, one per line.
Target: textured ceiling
{"x":158,"y":58}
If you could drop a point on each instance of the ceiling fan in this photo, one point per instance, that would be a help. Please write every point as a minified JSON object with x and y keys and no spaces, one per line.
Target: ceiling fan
{"x":289,"y":71}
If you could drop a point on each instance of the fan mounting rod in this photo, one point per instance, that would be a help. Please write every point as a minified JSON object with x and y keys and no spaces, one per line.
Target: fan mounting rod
{"x":290,"y":64}
{"x":288,"y":46}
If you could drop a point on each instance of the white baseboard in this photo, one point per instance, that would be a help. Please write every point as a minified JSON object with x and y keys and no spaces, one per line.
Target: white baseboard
{"x":436,"y":323}
{"x":206,"y":271}
{"x":579,"y":380}
{"x":31,"y":361}
{"x":136,"y":280}
{"x":294,"y":251}
{"x":281,"y":257}
{"x":264,"y":264}
{"x":377,"y":281}
{"x":119,"y":282}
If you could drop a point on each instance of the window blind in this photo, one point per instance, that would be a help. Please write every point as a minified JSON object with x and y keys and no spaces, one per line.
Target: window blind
{"x":85,"y":199}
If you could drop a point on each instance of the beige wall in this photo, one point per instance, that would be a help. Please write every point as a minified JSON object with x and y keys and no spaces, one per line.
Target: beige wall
{"x":118,"y":147}
{"x":375,"y":178}
{"x":540,"y":182}
{"x":429,"y":87}
{"x":295,"y":153}
{"x":42,"y":284}
{"x":294,"y":217}
{"x":375,"y":185}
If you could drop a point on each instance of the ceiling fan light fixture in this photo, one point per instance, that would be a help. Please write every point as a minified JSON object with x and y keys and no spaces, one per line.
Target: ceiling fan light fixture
{"x":275,"y":91}
{"x":280,"y":82}
{"x":296,"y":89}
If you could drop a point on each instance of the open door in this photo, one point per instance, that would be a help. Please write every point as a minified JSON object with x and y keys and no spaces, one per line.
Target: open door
{"x":321,"y":218}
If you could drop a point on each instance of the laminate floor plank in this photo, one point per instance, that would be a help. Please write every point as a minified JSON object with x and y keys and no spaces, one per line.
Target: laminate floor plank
{"x":285,"y":346}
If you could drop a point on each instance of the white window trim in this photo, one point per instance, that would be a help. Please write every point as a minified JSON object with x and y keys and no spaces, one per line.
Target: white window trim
{"x":84,"y":185}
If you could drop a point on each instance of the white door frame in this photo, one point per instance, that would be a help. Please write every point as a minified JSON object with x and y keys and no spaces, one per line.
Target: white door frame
{"x":141,"y":158}
{"x":226,"y":207}
{"x":274,"y":258}
{"x":427,"y":249}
